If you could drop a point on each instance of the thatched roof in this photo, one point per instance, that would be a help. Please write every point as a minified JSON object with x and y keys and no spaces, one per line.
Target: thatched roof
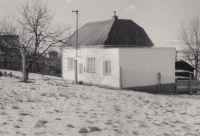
{"x":111,"y":33}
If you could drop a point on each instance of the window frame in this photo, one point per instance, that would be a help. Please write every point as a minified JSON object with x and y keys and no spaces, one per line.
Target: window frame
{"x":91,"y":65}
{"x":107,"y":67}
{"x":71,"y":64}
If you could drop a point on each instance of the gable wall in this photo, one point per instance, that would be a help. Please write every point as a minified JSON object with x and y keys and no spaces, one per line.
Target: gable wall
{"x":99,"y":78}
{"x":140,"y":66}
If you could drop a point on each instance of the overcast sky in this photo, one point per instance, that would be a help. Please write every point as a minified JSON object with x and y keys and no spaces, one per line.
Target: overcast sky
{"x":161,"y":19}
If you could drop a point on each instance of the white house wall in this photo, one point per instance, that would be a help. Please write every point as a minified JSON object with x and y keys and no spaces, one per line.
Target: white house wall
{"x":140,"y":66}
{"x":98,"y":77}
{"x":67,"y":75}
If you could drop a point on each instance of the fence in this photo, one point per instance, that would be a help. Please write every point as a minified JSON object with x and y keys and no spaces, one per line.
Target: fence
{"x":189,"y":86}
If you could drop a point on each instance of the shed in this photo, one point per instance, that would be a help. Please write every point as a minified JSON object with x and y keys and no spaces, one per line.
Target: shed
{"x":183,"y":70}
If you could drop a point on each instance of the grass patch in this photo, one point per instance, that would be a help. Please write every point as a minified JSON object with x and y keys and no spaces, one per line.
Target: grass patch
{"x":3,"y":113}
{"x":83,"y":130}
{"x":20,"y":120}
{"x":135,"y":132}
{"x":17,"y":132}
{"x":4,"y":123}
{"x":15,"y":107}
{"x":89,"y":121}
{"x":92,"y":129}
{"x":57,"y":118}
{"x":64,"y":95}
{"x":16,"y":126}
{"x":29,"y":99}
{"x":41,"y":123}
{"x":108,"y":123}
{"x":70,"y":126}
{"x":19,"y":100}
{"x":24,"y":114}
{"x":44,"y":94}
{"x":2,"y":108}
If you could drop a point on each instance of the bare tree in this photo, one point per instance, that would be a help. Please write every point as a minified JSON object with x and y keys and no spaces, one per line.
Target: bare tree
{"x":190,"y":34}
{"x":36,"y":29}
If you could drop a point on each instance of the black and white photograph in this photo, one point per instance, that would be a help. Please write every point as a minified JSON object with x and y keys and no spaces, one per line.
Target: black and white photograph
{"x":99,"y":67}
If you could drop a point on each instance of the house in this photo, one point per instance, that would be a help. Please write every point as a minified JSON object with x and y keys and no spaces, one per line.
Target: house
{"x":117,"y":53}
{"x":9,"y":52}
{"x":184,"y":70}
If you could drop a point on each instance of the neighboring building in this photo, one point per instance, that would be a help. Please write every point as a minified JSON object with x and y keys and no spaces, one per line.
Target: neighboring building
{"x":48,"y":64}
{"x":184,"y":70}
{"x":9,"y":52}
{"x":53,"y":64}
{"x":53,"y":54}
{"x":117,"y":53}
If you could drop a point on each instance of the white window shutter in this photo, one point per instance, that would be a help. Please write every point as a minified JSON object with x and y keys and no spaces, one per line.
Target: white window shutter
{"x":94,"y":65}
{"x":109,"y":67}
{"x":68,"y":63}
{"x":73,"y":63}
{"x":91,"y":65}
{"x":86,"y":65}
{"x":104,"y":67}
{"x":80,"y":68}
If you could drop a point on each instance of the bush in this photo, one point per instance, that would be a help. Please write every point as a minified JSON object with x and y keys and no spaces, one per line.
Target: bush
{"x":1,"y":74}
{"x":5,"y":73}
{"x":80,"y":82}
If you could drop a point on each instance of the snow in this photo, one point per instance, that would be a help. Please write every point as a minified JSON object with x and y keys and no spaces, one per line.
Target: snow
{"x":49,"y":106}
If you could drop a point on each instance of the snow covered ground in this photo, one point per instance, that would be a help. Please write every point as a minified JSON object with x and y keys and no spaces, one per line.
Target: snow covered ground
{"x":49,"y":107}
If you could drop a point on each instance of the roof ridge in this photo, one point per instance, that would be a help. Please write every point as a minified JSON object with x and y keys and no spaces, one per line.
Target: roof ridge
{"x":110,"y":31}
{"x":109,"y":20}
{"x":100,"y":21}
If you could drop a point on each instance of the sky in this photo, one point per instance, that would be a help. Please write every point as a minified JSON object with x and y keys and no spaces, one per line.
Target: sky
{"x":161,"y":19}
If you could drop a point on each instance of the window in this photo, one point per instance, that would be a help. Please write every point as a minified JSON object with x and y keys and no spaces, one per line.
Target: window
{"x":80,"y":68}
{"x":90,"y":62}
{"x":70,"y":63}
{"x":106,"y":67}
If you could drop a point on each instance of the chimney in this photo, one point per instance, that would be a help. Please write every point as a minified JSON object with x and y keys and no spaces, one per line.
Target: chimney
{"x":115,"y":17}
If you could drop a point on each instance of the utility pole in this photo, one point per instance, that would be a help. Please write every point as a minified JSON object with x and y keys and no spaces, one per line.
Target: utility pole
{"x":76,"y":29}
{"x":76,"y":73}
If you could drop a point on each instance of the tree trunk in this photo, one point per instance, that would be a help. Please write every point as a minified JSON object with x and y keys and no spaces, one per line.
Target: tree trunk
{"x":32,"y":67}
{"x":27,"y":74}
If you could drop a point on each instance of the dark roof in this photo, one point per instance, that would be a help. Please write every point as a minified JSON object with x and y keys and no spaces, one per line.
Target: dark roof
{"x":114,"y":32}
{"x":185,"y":62}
